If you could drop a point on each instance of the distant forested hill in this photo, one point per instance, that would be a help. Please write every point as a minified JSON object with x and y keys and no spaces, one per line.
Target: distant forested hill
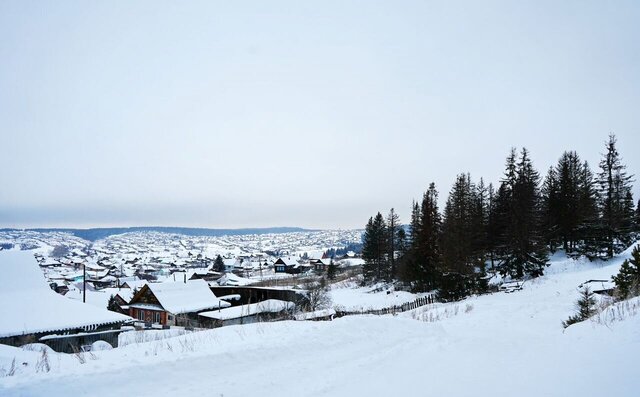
{"x":100,"y":233}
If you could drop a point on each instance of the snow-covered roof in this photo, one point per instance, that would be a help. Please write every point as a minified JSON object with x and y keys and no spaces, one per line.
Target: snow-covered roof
{"x":313,"y":315}
{"x":233,"y":280}
{"x":289,"y":261}
{"x":189,"y":297}
{"x":28,"y":305}
{"x":266,"y":306}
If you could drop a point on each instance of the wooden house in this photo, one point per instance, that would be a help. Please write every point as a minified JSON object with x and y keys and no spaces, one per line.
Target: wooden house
{"x":286,"y":265}
{"x":174,"y":303}
{"x":320,"y":265}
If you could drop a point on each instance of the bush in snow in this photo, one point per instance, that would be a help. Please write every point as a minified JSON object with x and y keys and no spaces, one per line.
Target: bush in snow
{"x":317,"y":295}
{"x":586,"y":307}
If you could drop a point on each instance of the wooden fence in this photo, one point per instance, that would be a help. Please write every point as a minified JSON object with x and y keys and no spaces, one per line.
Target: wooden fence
{"x":426,"y":300}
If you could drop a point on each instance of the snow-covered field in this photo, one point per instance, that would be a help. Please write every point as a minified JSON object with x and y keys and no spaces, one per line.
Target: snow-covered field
{"x":349,"y":296}
{"x":497,"y":345}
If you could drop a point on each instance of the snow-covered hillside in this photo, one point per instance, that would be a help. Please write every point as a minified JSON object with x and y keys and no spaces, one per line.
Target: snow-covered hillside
{"x":499,"y":345}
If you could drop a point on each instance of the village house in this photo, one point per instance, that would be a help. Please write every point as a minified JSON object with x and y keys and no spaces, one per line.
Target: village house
{"x":286,"y":265}
{"x":174,"y":303}
{"x":320,"y":265}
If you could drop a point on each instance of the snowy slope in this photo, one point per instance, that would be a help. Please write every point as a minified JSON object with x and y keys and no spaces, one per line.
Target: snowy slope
{"x":498,"y":345}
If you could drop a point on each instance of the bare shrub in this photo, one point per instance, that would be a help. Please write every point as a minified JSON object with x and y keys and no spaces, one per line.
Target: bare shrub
{"x":79,"y":354}
{"x":11,"y":371}
{"x":42,"y":365}
{"x":318,"y":295}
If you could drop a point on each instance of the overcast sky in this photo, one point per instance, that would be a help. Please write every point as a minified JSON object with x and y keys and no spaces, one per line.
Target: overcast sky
{"x":288,"y":113}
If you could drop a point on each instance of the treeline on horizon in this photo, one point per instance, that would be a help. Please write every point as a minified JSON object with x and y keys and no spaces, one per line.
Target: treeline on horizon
{"x":508,"y":229}
{"x":95,"y":234}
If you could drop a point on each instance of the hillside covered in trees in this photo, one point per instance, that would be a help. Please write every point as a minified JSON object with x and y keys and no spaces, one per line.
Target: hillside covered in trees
{"x":507,"y":229}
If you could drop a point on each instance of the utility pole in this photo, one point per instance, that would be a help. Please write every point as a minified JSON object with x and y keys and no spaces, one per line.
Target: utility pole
{"x":84,"y":282}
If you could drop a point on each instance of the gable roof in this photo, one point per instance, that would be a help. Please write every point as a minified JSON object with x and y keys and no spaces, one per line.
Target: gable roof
{"x":189,"y":297}
{"x":287,"y":261}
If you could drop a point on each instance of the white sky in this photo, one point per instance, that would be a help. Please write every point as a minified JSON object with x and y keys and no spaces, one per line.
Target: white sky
{"x":312,"y":114}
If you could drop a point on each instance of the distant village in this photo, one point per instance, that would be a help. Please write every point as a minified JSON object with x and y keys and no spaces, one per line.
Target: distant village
{"x":140,"y":281}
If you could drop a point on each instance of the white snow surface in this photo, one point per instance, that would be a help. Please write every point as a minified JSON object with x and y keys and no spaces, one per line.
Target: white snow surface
{"x":498,"y":345}
{"x":28,"y":305}
{"x":348,"y":296}
{"x":266,"y":306}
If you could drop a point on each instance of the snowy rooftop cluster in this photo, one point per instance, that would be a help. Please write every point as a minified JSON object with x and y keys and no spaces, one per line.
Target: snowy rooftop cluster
{"x":28,"y":305}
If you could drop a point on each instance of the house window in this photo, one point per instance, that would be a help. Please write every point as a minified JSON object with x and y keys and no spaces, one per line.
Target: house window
{"x":156,"y":317}
{"x":140,"y":315}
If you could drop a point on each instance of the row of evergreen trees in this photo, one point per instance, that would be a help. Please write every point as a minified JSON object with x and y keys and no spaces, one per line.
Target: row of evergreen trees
{"x":510,"y":230}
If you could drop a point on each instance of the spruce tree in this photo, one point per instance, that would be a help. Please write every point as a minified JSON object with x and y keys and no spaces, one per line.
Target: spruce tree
{"x":414,"y":227}
{"x":457,"y":227}
{"x":585,"y":306}
{"x":569,"y":200}
{"x":523,"y":248}
{"x":615,"y":201}
{"x":551,"y":208}
{"x":422,"y":262}
{"x":638,"y":217}
{"x":218,"y":264}
{"x":628,"y":278}
{"x":375,"y":250}
{"x":112,"y":305}
{"x":492,"y":226}
{"x":590,"y":226}
{"x":331,"y":270}
{"x":368,"y":252}
{"x":393,"y":235}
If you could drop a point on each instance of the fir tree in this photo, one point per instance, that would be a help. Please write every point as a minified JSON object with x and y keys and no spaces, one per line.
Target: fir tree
{"x":414,"y":227}
{"x":464,"y":239}
{"x":638,"y":217}
{"x":523,"y":248}
{"x":569,"y":204}
{"x":615,"y":201}
{"x":112,"y":305}
{"x":585,"y":306}
{"x":423,"y":260}
{"x":375,"y":249}
{"x":331,"y":270}
{"x":218,"y":264}
{"x":393,"y":234}
{"x":368,"y":252}
{"x":628,"y":278}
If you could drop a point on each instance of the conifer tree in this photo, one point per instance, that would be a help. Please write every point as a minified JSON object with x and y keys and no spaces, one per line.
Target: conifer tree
{"x":424,"y":260}
{"x":331,"y":270}
{"x":393,"y":234}
{"x":375,"y":250}
{"x":369,"y":252}
{"x":218,"y":264}
{"x":492,"y":225}
{"x":551,"y":208}
{"x":414,"y":227}
{"x":616,"y":201}
{"x":638,"y":217}
{"x":112,"y":305}
{"x":628,"y":278}
{"x":569,"y":204}
{"x":585,"y":306}
{"x":523,"y":248}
